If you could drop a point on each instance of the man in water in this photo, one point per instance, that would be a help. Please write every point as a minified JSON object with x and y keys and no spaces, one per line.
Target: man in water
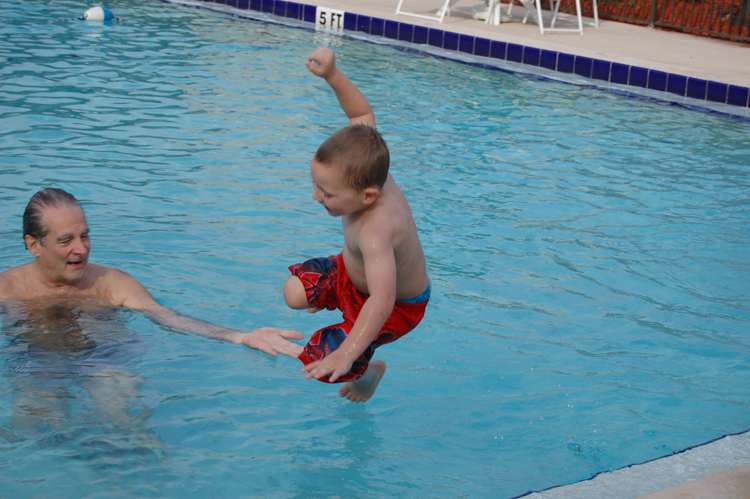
{"x":56,"y":233}
{"x":58,"y":310}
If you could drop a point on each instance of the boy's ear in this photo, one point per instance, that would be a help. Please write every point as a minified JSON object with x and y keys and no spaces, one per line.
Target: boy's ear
{"x":370,"y":194}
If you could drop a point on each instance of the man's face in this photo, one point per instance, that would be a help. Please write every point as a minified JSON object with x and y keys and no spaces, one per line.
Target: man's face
{"x":331,"y":191}
{"x":65,"y":252}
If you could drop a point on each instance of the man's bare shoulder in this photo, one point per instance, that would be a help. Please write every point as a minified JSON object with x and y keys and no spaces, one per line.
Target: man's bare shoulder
{"x":123,"y":289}
{"x":13,"y":280}
{"x":110,"y":275}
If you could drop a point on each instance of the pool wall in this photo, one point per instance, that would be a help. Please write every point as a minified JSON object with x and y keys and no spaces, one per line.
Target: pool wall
{"x":597,"y":70}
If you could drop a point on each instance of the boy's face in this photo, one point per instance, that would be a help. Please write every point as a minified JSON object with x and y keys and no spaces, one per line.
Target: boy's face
{"x":330,"y":190}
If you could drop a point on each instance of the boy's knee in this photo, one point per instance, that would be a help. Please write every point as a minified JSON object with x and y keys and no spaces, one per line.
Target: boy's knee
{"x":294,"y":294}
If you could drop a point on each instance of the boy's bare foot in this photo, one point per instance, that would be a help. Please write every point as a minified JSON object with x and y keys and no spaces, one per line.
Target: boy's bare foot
{"x":362,"y":389}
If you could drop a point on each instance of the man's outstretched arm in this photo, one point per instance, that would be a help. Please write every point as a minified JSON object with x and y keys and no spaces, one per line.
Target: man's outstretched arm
{"x":132,"y":294}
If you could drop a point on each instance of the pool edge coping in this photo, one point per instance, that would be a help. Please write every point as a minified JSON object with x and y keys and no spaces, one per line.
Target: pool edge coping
{"x":661,"y":85}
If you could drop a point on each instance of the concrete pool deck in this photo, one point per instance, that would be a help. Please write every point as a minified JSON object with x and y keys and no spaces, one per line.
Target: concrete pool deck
{"x":671,"y":52}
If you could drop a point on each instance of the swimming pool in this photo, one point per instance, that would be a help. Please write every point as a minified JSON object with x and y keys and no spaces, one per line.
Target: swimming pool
{"x":588,"y":262}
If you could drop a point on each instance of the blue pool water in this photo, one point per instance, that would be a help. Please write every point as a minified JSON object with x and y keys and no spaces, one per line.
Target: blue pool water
{"x":588,"y":254}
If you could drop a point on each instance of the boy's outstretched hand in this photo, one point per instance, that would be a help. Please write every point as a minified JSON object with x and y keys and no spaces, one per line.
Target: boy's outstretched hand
{"x":334,"y":365}
{"x":326,"y":62}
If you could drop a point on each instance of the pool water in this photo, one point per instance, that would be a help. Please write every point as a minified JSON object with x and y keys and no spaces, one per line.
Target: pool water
{"x":588,"y":254}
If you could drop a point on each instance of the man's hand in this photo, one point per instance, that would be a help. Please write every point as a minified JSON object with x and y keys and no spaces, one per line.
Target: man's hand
{"x":326,"y":62}
{"x":273,"y":341}
{"x":334,"y":366}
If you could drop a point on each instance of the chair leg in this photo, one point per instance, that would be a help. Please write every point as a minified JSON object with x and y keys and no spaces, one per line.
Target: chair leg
{"x":398,"y":8}
{"x":580,"y":19}
{"x":540,"y":19}
{"x":445,"y":10}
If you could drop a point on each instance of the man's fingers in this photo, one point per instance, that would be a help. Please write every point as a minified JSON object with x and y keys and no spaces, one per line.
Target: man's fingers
{"x":292,"y":335}
{"x":265,"y":348}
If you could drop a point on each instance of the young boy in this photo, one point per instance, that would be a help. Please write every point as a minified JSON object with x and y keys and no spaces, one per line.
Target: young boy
{"x":379,"y":281}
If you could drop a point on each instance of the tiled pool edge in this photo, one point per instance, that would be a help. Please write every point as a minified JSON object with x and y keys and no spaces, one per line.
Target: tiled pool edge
{"x":597,"y":70}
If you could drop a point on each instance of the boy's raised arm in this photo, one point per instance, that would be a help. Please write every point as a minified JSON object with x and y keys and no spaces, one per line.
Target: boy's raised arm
{"x":351,"y":99}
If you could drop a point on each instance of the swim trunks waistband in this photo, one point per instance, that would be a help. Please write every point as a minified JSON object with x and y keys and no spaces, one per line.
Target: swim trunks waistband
{"x":423,"y":297}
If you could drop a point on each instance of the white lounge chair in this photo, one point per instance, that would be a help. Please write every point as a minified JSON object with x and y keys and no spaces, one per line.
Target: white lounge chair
{"x":441,"y":13}
{"x":534,"y":9}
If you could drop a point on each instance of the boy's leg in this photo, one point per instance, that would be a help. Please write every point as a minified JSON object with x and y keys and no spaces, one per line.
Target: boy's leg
{"x":362,"y":389}
{"x":294,"y":294}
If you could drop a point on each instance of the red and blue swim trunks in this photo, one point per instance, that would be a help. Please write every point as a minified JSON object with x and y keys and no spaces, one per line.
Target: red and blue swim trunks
{"x":327,"y":285}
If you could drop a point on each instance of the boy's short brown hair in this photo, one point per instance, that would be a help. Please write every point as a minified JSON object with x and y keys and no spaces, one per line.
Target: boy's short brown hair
{"x":361,"y":154}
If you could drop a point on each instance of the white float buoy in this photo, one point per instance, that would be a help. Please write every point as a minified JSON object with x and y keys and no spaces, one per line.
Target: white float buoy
{"x":98,"y":14}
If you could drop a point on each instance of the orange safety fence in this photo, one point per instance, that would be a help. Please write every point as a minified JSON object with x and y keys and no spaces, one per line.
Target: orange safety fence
{"x":718,"y":18}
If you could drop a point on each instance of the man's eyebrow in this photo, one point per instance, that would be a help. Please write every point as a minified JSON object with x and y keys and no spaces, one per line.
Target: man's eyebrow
{"x":70,"y":235}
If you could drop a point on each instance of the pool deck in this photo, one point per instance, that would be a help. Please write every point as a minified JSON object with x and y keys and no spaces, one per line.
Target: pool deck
{"x":667,"y":51}
{"x":707,"y":472}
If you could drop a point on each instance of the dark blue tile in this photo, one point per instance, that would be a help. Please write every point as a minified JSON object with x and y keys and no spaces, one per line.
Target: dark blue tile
{"x":618,"y":73}
{"x":565,"y":62}
{"x":515,"y":52}
{"x":279,"y":8}
{"x":717,"y":92}
{"x":738,"y":96}
{"x":677,"y":84}
{"x":293,"y":10}
{"x":232,"y":3}
{"x":363,"y":23}
{"x":696,"y":88}
{"x":531,"y":56}
{"x":450,"y":41}
{"x":377,"y":26}
{"x":391,"y":29}
{"x":600,"y":70}
{"x":406,"y":32}
{"x":657,"y":80}
{"x":350,"y":21}
{"x":481,"y":47}
{"x":421,"y":35}
{"x":255,"y":5}
{"x":243,"y":4}
{"x":310,"y":13}
{"x":548,"y":60}
{"x":498,"y":50}
{"x":466,"y":44}
{"x":266,"y":6}
{"x":638,"y":77}
{"x":583,"y":66}
{"x":435,"y":38}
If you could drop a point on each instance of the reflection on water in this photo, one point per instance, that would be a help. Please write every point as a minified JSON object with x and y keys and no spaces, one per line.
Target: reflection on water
{"x":70,"y":365}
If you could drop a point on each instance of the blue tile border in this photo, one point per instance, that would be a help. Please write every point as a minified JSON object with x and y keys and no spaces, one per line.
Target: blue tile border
{"x":596,"y":69}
